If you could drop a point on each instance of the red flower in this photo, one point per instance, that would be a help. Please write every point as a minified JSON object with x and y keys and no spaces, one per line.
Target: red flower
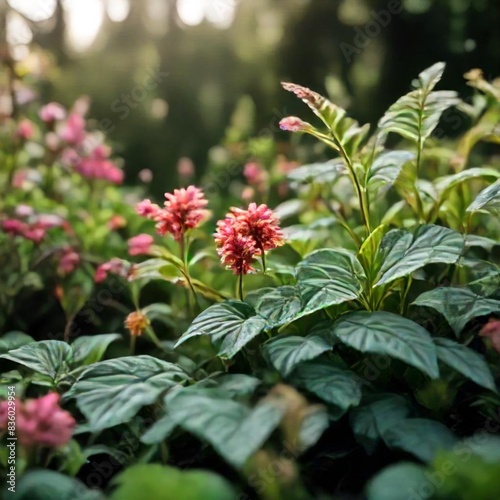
{"x":68,"y":262}
{"x":25,"y":129}
{"x":183,"y":209}
{"x":113,"y":266}
{"x":492,"y":331}
{"x":40,"y":421}
{"x":246,"y":234}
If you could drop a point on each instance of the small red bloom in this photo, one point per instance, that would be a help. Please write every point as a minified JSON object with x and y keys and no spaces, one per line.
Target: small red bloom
{"x":183,"y":209}
{"x":113,"y":266}
{"x":294,"y":124}
{"x":492,"y":331}
{"x":68,"y":262}
{"x":140,"y":244}
{"x":25,"y":129}
{"x":73,"y":131}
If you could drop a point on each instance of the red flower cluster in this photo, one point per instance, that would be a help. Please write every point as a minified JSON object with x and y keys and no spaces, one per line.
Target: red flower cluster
{"x":246,"y":234}
{"x":183,"y":209}
{"x":97,"y":166}
{"x":32,"y":227}
{"x":40,"y":421}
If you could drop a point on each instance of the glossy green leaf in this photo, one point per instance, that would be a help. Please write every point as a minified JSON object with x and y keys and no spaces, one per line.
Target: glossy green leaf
{"x":50,"y":358}
{"x":420,"y":437}
{"x":457,"y":305}
{"x":90,"y":349}
{"x":318,"y":173}
{"x":285,"y":353}
{"x":328,"y":382}
{"x":234,"y":430}
{"x":236,"y":323}
{"x":159,"y":482}
{"x":386,"y":168}
{"x":466,"y":361}
{"x":388,"y":334}
{"x":159,"y":431}
{"x":403,"y":252}
{"x":488,"y":199}
{"x":327,"y":277}
{"x":14,"y":340}
{"x":113,"y":391}
{"x":312,"y":428}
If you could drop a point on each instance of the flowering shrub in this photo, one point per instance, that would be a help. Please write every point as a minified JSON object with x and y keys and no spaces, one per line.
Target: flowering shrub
{"x":357,"y":334}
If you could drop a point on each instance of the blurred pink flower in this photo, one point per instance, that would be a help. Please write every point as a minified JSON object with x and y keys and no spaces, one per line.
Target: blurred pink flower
{"x":14,"y":227}
{"x":183,"y":209}
{"x":117,"y":222}
{"x":52,"y":141}
{"x":52,"y":112}
{"x":294,"y":124}
{"x":97,"y":166}
{"x":492,"y":331}
{"x":185,"y":167}
{"x":145,"y":175}
{"x":23,"y":211}
{"x":255,"y":174}
{"x":248,"y":193}
{"x":73,"y":131}
{"x":40,"y":421}
{"x":25,"y":129}
{"x":140,"y":244}
{"x":113,"y":266}
{"x":68,"y":262}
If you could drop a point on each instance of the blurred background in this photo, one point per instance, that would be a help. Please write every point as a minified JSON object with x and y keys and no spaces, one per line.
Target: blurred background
{"x":169,"y":80}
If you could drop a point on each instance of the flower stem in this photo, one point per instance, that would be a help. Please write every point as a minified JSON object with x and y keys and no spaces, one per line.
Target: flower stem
{"x":240,"y":287}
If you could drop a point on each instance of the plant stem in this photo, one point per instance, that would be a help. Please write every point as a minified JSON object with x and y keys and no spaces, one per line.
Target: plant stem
{"x":132,"y":344}
{"x":239,"y":290}
{"x":183,"y":250}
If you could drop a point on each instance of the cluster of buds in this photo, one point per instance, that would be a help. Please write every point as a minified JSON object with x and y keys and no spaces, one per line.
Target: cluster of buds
{"x":183,"y":209}
{"x":136,"y":323}
{"x":244,"y":235}
{"x":40,"y":422}
{"x":115,"y":266}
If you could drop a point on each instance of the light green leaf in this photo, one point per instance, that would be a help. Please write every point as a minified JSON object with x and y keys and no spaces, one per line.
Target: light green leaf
{"x":313,"y":426}
{"x":448,"y":182}
{"x":421,"y":437}
{"x":90,"y":349}
{"x":488,"y":199}
{"x":285,"y":353}
{"x":388,"y":334}
{"x":50,"y":358}
{"x":457,"y":305}
{"x":159,"y":482}
{"x":330,"y":383}
{"x":465,"y":361}
{"x":113,"y":391}
{"x":159,"y":431}
{"x":397,"y":482}
{"x":236,"y":323}
{"x":318,"y":173}
{"x":234,"y":384}
{"x":403,"y":252}
{"x":327,"y":277}
{"x":381,"y":412}
{"x":386,"y":168}
{"x":234,"y":430}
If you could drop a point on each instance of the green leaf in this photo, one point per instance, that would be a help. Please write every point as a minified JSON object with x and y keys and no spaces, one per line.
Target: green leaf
{"x":285,"y":353}
{"x":13,"y":340}
{"x":327,"y":277}
{"x":457,"y":305}
{"x":330,"y":383}
{"x":416,"y":114}
{"x":403,"y":252}
{"x":488,"y":199}
{"x":113,"y":391}
{"x":386,"y":168}
{"x":448,"y":182}
{"x":397,"y":482}
{"x":159,"y":482}
{"x":421,"y":437}
{"x":51,"y":485}
{"x":466,"y":361}
{"x":234,"y":430}
{"x":49,"y":358}
{"x":313,"y":426}
{"x":370,"y":421}
{"x":236,"y":323}
{"x":159,"y":431}
{"x":235,"y":384}
{"x":90,"y":349}
{"x":278,"y":305}
{"x":388,"y":334}
{"x":318,"y":173}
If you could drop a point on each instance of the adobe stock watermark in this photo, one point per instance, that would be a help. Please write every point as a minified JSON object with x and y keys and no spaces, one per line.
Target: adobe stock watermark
{"x":363,"y":36}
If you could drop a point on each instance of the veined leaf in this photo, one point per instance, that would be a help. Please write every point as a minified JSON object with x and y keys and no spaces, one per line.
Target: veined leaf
{"x":277,"y":305}
{"x":234,"y":430}
{"x":285,"y":353}
{"x":236,"y":323}
{"x":488,"y":199}
{"x":421,"y":437}
{"x":386,"y":168}
{"x":318,"y":173}
{"x":403,"y":252}
{"x":113,"y":391}
{"x":327,"y":277}
{"x":329,"y":382}
{"x":90,"y":349}
{"x":465,"y":361}
{"x":388,"y":334}
{"x":14,"y":340}
{"x":457,"y":305}
{"x":444,"y":184}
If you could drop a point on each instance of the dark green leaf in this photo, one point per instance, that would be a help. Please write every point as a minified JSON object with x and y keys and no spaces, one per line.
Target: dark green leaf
{"x":386,"y":168}
{"x":278,"y":305}
{"x":90,"y":349}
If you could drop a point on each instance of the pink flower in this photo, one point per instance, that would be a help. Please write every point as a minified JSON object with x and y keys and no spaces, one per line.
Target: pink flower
{"x":246,"y":234}
{"x":97,"y":166}
{"x":117,"y":222}
{"x":236,"y":251}
{"x":49,"y":221}
{"x":183,"y":210}
{"x":40,"y":421}
{"x":14,"y":227}
{"x":69,"y":261}
{"x":113,"y":266}
{"x":25,"y":129}
{"x":185,"y":167}
{"x":140,"y":244}
{"x":294,"y":124}
{"x":23,"y":211}
{"x":52,"y":112}
{"x":73,"y":131}
{"x":34,"y":234}
{"x":254,"y":174}
{"x":492,"y":331}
